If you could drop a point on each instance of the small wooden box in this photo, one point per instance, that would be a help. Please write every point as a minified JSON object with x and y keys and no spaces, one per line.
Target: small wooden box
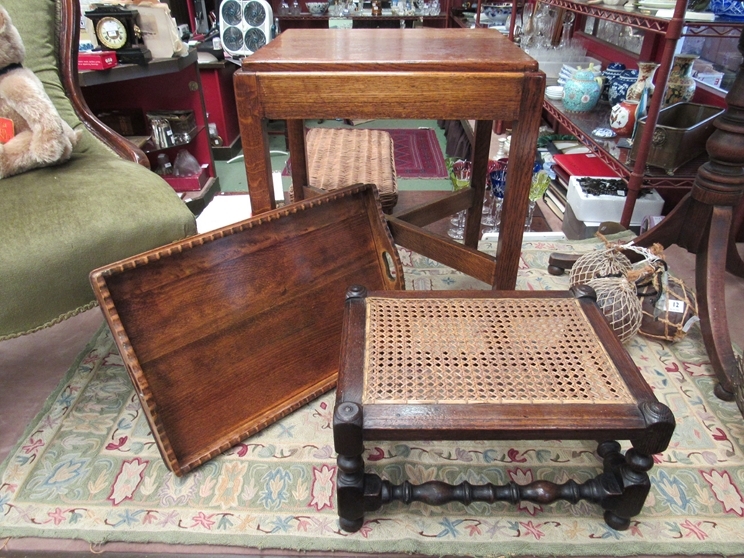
{"x":226,"y":332}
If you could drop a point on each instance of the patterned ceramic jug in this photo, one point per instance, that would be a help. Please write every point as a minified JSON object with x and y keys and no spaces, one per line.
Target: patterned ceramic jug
{"x":623,"y":118}
{"x":581,"y":92}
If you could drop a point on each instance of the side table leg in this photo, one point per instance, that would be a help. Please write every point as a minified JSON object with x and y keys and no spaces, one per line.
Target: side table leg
{"x":255,"y":137}
{"x":347,"y":439}
{"x":518,"y":180}
{"x":710,"y":269}
{"x":481,"y":147}
{"x":296,"y":144}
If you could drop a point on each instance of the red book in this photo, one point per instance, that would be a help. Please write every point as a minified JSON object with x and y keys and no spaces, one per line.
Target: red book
{"x":584,"y":164}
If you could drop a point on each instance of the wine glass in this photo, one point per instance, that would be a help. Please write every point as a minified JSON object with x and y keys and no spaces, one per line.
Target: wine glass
{"x":497,"y":180}
{"x":538,"y":187}
{"x":461,"y":171}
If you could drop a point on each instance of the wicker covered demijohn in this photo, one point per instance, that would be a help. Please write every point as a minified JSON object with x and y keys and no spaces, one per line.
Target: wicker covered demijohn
{"x":669,"y":307}
{"x":617,"y":298}
{"x":599,"y":263}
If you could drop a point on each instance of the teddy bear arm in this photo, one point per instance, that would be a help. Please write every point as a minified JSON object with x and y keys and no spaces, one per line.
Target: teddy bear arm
{"x":15,"y":155}
{"x":50,"y":141}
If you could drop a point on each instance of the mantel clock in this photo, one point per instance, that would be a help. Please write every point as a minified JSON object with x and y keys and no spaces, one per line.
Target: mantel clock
{"x":115,"y":29}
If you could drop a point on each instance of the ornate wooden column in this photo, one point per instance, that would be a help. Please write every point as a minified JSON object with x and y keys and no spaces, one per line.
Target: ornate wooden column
{"x":703,"y":223}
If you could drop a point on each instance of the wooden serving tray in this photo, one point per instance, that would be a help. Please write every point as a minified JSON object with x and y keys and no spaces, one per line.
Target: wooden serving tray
{"x":224,"y":333}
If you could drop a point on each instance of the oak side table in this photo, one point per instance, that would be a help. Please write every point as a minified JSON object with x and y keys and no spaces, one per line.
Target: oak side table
{"x":403,"y":74}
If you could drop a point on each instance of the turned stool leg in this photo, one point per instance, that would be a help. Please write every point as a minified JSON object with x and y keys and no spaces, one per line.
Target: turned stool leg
{"x":632,"y":469}
{"x":347,"y":438}
{"x":632,"y":472}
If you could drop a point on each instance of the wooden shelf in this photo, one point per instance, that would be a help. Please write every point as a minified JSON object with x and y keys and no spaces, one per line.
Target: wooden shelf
{"x":637,"y":174}
{"x":582,"y":124}
{"x":126,"y":72}
{"x":644,"y":18}
{"x":163,"y":84}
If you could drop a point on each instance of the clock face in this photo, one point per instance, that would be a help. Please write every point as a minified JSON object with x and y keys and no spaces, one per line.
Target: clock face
{"x":111,"y":33}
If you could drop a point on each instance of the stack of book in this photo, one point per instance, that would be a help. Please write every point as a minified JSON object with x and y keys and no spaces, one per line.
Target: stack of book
{"x":568,"y":165}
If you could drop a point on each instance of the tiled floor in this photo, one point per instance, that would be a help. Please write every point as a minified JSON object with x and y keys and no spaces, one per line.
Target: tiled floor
{"x":32,"y":366}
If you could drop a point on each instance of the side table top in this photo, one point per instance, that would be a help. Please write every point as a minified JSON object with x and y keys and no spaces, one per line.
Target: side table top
{"x":371,"y":50}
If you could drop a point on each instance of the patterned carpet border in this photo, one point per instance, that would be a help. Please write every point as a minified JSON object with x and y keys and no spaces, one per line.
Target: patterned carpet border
{"x":87,"y":468}
{"x":417,"y":154}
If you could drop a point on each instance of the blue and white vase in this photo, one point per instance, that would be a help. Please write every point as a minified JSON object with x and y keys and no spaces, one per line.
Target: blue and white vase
{"x":619,"y":86}
{"x":613,"y":70}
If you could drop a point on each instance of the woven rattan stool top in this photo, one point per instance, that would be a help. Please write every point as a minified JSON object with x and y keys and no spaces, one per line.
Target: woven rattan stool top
{"x":504,"y":350}
{"x":484,"y":364}
{"x":339,"y":157}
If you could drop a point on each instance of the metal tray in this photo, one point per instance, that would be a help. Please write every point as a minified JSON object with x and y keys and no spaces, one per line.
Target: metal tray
{"x":680,"y":134}
{"x":224,"y":333}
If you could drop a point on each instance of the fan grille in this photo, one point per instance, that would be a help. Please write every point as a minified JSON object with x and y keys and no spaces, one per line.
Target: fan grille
{"x":255,"y":39}
{"x":231,"y":12}
{"x":254,"y":14}
{"x":232,"y":38}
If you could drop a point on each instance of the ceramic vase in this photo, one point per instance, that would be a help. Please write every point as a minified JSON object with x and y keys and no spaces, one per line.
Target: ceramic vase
{"x":613,"y":70}
{"x":680,"y":85}
{"x":646,"y":71}
{"x":623,"y":117}
{"x":619,"y":86}
{"x":581,"y":92}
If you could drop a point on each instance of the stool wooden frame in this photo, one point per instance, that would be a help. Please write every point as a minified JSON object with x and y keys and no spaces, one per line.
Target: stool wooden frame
{"x":622,"y":407}
{"x":396,"y":73}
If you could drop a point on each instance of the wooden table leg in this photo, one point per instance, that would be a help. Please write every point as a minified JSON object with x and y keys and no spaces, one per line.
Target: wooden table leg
{"x":254,"y":131}
{"x":518,"y":180}
{"x":710,"y":292}
{"x":479,"y":159}
{"x":296,"y":144}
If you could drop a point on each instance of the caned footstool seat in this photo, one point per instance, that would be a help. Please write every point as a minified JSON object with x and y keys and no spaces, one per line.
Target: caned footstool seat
{"x":338,"y":157}
{"x":491,"y":365}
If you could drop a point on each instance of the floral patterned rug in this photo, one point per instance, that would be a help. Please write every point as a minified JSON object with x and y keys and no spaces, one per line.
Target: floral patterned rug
{"x":88,"y":468}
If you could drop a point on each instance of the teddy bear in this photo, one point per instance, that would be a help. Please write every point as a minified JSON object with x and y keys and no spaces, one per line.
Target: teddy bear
{"x":39,"y":135}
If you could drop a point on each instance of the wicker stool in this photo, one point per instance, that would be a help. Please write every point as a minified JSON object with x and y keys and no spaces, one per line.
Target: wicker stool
{"x":491,"y":365}
{"x":340,"y":157}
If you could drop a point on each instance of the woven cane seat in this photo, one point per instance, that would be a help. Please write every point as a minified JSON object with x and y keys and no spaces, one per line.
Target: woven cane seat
{"x":341,"y":157}
{"x":508,"y":350}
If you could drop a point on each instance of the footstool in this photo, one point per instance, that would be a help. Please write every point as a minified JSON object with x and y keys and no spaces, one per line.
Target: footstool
{"x":338,"y":157}
{"x":491,"y":365}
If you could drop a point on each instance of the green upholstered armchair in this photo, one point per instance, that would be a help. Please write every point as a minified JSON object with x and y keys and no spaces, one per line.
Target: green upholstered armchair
{"x":59,"y":223}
